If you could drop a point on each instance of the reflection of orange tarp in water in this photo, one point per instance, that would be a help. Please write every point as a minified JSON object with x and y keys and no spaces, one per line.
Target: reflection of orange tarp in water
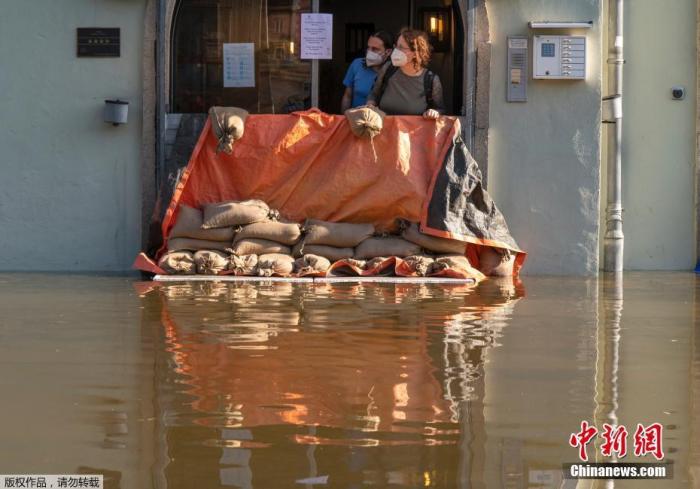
{"x":377,"y":383}
{"x":309,"y":164}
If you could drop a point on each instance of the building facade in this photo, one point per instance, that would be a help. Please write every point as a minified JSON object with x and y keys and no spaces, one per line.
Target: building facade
{"x":78,"y":194}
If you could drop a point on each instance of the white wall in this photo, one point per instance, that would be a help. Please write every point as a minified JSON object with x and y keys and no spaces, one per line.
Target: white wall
{"x":658,"y":156}
{"x":544,"y":155}
{"x":69,"y":193}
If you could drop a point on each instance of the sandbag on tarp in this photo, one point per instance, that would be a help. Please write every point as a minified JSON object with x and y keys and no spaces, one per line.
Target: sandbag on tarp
{"x":311,"y":265}
{"x":234,"y":213}
{"x":229,"y":125}
{"x":275,"y":265}
{"x":178,"y":263}
{"x":411,"y":232}
{"x":189,"y":225}
{"x":309,"y":164}
{"x":331,"y":252}
{"x":178,"y":244}
{"x":242,"y":264}
{"x":280,"y":232}
{"x":338,"y":234}
{"x":210,"y":262}
{"x":385,"y":246}
{"x":365,"y":121}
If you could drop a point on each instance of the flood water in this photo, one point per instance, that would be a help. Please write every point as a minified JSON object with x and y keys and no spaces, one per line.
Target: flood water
{"x":207,"y":385}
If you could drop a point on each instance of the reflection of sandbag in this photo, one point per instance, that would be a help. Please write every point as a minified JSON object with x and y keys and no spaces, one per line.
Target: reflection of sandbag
{"x":338,"y":234}
{"x":234,"y":213}
{"x":275,"y":264}
{"x":243,"y":265}
{"x":416,"y":265}
{"x":259,"y":247}
{"x":280,"y":232}
{"x":373,"y":247}
{"x":309,"y":264}
{"x":228,"y":124}
{"x":331,"y":252}
{"x":177,"y":263}
{"x":210,"y":262}
{"x":189,"y":225}
{"x":196,"y":244}
{"x":432,"y":243}
{"x":366,"y":121}
{"x":496,"y":262}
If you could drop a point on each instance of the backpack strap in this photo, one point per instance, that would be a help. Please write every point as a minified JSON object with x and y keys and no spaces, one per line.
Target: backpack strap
{"x":428,"y":87}
{"x":390,"y":70}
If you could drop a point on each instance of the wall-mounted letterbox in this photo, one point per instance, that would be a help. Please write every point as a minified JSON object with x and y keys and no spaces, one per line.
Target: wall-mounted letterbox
{"x":559,"y":57}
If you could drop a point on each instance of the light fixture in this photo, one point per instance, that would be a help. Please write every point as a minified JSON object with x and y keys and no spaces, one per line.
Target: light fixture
{"x":116,"y":112}
{"x":437,"y":24}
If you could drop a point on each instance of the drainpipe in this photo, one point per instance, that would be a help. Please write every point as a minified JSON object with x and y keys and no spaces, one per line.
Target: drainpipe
{"x":613,"y":244}
{"x":160,"y":93}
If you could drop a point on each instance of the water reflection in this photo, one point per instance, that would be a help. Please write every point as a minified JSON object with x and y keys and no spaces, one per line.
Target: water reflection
{"x":373,"y":383}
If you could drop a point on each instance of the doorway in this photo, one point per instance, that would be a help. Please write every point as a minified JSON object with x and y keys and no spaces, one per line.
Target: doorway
{"x":354,"y":22}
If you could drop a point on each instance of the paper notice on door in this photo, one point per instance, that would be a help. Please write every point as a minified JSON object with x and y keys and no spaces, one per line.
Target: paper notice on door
{"x":239,"y":65}
{"x":316,"y":36}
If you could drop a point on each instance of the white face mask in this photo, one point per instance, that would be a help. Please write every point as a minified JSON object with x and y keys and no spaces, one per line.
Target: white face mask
{"x":373,"y":59}
{"x":398,"y":58}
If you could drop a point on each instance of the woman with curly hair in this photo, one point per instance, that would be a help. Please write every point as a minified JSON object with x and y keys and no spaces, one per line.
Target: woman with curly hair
{"x":407,"y":86}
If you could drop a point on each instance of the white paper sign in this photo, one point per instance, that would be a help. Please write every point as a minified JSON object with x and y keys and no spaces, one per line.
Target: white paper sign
{"x":316,"y":36}
{"x":239,"y":64}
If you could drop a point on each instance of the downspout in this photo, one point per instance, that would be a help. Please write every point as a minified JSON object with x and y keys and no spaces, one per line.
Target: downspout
{"x":160,"y":93}
{"x":613,"y":244}
{"x":470,"y":68}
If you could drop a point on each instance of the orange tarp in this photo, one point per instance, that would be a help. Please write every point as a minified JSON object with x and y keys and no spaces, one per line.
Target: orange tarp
{"x":309,"y":164}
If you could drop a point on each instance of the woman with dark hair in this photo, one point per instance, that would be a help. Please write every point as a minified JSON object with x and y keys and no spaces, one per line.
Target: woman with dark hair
{"x":363,"y":71}
{"x":407,"y":86}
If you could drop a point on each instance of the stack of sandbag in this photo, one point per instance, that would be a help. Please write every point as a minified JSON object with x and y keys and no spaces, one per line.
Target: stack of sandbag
{"x":332,"y":240}
{"x":189,"y":234}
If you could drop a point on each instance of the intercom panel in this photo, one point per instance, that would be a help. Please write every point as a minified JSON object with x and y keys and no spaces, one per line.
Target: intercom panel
{"x":517,"y":69}
{"x":559,"y":57}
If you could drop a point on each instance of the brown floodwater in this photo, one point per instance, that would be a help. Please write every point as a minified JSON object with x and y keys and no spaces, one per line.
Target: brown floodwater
{"x":279,"y":385}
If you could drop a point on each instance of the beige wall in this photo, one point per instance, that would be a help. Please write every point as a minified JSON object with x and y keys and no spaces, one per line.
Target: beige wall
{"x":544,"y":154}
{"x":70,"y":193}
{"x":658,"y":165}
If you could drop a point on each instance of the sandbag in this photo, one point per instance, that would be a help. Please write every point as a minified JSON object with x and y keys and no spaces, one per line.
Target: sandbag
{"x":190,"y":244}
{"x":432,"y":243}
{"x":210,"y":262}
{"x":348,"y":267}
{"x":330,"y":252}
{"x":243,"y":264}
{"x":415,"y":265}
{"x":449,"y":261}
{"x":309,"y":264}
{"x":189,"y":225}
{"x":275,"y":265}
{"x":228,"y":124}
{"x":338,"y":234}
{"x":389,"y":246}
{"x":280,"y":232}
{"x":496,"y":262}
{"x":259,"y":247}
{"x":365,"y":122}
{"x":178,"y":263}
{"x":234,"y":213}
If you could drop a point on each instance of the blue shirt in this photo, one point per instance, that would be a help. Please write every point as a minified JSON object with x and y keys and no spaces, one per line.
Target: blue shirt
{"x":361,"y":79}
